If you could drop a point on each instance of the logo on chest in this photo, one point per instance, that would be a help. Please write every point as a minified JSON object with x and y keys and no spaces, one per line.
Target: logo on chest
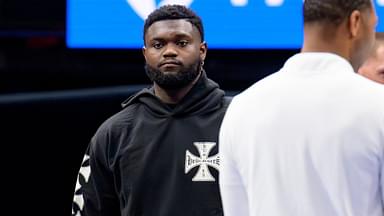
{"x":203,"y":161}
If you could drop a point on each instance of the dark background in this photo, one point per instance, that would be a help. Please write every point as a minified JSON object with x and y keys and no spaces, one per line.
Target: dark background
{"x":52,"y":99}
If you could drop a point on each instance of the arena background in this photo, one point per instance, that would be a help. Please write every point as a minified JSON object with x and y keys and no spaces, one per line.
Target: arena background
{"x":52,"y":99}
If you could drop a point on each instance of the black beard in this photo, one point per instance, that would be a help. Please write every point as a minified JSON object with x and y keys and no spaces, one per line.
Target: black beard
{"x":173,"y":81}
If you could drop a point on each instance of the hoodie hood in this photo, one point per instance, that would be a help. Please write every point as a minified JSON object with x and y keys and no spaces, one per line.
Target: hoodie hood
{"x":203,"y":98}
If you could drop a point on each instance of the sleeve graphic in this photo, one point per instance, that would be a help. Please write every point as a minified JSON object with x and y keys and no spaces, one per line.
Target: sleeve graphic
{"x":82,"y":179}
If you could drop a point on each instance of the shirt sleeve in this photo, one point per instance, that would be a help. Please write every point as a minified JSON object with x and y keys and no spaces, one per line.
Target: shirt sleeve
{"x":234,"y":196}
{"x":94,"y":192}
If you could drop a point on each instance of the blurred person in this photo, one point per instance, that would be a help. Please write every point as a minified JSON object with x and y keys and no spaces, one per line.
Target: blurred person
{"x":158,"y":156}
{"x":373,"y":67}
{"x":308,"y":140}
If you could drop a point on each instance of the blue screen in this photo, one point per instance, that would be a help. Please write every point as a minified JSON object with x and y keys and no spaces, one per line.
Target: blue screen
{"x":229,"y":24}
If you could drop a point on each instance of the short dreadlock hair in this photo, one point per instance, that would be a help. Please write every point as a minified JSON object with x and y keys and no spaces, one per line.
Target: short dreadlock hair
{"x":332,"y":11}
{"x":174,"y":12}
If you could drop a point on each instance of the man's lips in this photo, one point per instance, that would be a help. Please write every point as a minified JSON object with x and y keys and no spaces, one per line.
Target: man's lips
{"x":169,"y":63}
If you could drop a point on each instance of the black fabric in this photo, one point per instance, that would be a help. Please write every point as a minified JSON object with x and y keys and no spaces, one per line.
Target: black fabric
{"x":138,"y":157}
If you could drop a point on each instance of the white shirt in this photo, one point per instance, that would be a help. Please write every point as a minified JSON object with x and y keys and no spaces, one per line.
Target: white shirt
{"x":305,"y":141}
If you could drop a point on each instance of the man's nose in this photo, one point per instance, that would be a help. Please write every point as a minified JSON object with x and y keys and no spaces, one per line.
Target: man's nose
{"x":170,"y":51}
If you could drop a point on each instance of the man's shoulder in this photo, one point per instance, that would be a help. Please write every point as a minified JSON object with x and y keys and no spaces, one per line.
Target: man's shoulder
{"x":367,"y":86}
{"x":121,"y":120}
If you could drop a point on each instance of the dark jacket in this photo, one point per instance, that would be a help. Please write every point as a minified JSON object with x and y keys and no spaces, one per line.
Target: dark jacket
{"x":153,"y":160}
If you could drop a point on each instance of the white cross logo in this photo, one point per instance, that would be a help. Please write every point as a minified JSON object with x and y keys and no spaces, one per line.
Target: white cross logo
{"x":203,"y":161}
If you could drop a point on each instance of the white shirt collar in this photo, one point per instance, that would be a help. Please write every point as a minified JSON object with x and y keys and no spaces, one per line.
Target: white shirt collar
{"x":315,"y":62}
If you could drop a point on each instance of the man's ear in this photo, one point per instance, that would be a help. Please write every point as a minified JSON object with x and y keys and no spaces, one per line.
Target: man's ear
{"x":143,"y":50}
{"x":203,"y":50}
{"x":354,"y":23}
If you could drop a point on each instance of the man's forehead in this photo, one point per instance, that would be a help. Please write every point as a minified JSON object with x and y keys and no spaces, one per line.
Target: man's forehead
{"x":169,"y":26}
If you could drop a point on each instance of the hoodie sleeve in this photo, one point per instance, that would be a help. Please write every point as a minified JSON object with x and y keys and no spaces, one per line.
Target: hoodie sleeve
{"x":94,"y":193}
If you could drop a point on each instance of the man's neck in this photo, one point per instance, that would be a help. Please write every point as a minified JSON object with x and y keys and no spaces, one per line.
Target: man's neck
{"x":323,"y":38}
{"x":174,"y":96}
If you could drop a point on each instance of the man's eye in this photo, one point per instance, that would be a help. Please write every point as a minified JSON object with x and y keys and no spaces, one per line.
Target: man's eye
{"x":157,"y":45}
{"x":182,"y":43}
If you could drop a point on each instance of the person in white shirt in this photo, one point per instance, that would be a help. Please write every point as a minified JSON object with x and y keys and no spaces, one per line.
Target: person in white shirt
{"x":373,"y":67}
{"x":308,"y":140}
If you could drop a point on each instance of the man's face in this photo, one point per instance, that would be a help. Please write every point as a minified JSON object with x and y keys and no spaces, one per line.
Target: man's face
{"x":373,"y":67}
{"x":174,"y":53}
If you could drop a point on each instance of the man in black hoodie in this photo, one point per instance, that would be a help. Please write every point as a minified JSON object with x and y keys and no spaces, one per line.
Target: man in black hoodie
{"x":158,"y":156}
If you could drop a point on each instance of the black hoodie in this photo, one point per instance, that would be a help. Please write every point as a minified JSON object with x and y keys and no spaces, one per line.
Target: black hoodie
{"x":153,"y":160}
